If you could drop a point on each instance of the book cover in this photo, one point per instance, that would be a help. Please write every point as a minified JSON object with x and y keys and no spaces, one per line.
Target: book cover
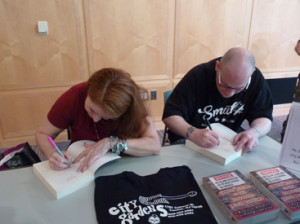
{"x":65,"y":182}
{"x":225,"y":152}
{"x":242,"y":201}
{"x":282,"y":186}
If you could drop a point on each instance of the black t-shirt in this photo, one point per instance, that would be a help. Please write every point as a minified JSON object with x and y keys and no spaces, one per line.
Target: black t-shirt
{"x":196,"y":96}
{"x":170,"y":196}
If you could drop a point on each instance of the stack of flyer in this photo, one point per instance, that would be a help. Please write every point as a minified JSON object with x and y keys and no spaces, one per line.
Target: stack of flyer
{"x":242,"y":201}
{"x":282,"y":186}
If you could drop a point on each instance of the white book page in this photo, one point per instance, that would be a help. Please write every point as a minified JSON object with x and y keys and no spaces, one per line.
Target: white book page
{"x":77,"y":147}
{"x":223,"y":131}
{"x":226,"y":135}
{"x":290,"y":151}
{"x":62,"y":178}
{"x":70,"y":176}
{"x":224,"y":149}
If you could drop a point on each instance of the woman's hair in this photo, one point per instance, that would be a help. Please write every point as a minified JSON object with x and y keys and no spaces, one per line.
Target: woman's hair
{"x":120,"y":97}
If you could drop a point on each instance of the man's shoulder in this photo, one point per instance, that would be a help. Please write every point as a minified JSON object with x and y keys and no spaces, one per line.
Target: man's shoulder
{"x":209,"y":65}
{"x":203,"y":70}
{"x":258,"y":75}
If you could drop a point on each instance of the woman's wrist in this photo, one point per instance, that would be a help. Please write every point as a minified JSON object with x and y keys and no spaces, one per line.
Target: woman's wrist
{"x":118,"y":145}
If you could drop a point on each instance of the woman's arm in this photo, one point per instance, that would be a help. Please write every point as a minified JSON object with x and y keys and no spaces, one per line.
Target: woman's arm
{"x":147,"y":144}
{"x":43,"y":132}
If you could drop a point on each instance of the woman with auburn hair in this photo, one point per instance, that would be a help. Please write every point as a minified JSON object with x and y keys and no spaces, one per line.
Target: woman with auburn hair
{"x":107,"y":109}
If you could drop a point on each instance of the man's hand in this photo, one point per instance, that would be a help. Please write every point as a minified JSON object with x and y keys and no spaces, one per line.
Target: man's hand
{"x":246,"y":140}
{"x":204,"y":138}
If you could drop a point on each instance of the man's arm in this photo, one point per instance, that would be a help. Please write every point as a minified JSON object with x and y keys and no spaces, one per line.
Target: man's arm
{"x":248,"y":140}
{"x":202,"y":137}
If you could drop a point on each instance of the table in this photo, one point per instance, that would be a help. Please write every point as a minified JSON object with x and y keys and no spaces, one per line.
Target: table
{"x":24,"y":199}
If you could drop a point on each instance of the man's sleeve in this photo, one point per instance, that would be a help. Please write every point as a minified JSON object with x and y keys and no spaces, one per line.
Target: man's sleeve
{"x":182,"y":98}
{"x":263,"y":104}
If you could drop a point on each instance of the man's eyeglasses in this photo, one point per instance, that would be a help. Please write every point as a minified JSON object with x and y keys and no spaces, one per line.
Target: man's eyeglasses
{"x":237,"y":90}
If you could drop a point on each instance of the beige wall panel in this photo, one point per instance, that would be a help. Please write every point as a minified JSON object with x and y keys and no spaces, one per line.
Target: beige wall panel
{"x":206,"y":29}
{"x":155,"y":107}
{"x":21,"y":112}
{"x":30,"y":60}
{"x":274,"y":32}
{"x":136,"y":36}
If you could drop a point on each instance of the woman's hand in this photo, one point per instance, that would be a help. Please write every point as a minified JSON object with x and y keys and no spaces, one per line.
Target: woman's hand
{"x":91,"y":153}
{"x":56,"y":162}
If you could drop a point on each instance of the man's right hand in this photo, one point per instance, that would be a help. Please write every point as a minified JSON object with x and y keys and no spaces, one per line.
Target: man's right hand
{"x":204,"y":138}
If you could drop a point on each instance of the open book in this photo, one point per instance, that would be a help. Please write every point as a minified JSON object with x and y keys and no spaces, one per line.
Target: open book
{"x":62,"y":183}
{"x":223,"y":153}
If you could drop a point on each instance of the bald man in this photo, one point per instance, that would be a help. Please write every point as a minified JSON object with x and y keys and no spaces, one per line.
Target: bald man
{"x":225,"y":90}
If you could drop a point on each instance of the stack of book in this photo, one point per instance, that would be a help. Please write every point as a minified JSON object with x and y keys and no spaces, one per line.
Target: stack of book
{"x":64,"y":182}
{"x":223,"y":153}
{"x":242,"y":201}
{"x":282,"y":186}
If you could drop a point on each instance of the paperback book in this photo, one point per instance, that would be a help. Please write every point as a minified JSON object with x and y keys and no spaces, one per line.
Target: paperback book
{"x":242,"y":201}
{"x":282,"y":186}
{"x":65,"y":182}
{"x":225,"y":152}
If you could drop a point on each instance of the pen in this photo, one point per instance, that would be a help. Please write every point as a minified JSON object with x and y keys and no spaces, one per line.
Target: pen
{"x":57,"y":149}
{"x":208,"y":123}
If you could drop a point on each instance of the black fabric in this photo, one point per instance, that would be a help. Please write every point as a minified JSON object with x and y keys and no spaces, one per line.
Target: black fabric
{"x":282,"y":89}
{"x":196,"y":96}
{"x":296,"y":98}
{"x":26,"y":157}
{"x":171,"y":196}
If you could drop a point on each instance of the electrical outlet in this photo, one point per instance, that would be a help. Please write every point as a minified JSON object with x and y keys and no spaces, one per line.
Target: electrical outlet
{"x":144,"y":96}
{"x":43,"y":27}
{"x":153,"y":94}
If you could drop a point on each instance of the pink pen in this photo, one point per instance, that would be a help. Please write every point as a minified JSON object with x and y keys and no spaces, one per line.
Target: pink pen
{"x":57,"y":149}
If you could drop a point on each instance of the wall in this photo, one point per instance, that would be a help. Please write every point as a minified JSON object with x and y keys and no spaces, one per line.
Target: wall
{"x":156,"y":41}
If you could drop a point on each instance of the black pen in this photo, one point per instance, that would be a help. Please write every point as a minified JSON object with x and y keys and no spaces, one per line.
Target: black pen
{"x":208,"y":123}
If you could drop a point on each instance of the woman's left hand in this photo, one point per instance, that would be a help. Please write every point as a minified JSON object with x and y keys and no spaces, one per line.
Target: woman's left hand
{"x":91,"y":153}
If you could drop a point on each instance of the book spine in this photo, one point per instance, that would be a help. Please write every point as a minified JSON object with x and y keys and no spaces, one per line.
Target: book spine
{"x":219,"y":202}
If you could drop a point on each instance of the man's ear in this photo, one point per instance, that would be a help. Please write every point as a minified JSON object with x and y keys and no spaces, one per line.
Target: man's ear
{"x":217,"y":66}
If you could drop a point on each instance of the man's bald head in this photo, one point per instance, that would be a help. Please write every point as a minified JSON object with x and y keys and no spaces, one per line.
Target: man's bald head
{"x":239,"y":59}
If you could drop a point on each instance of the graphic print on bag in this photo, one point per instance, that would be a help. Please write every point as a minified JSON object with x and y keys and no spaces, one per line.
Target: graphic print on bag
{"x":170,"y":196}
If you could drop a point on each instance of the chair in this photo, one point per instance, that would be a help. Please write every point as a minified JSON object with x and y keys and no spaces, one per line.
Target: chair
{"x":166,"y":96}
